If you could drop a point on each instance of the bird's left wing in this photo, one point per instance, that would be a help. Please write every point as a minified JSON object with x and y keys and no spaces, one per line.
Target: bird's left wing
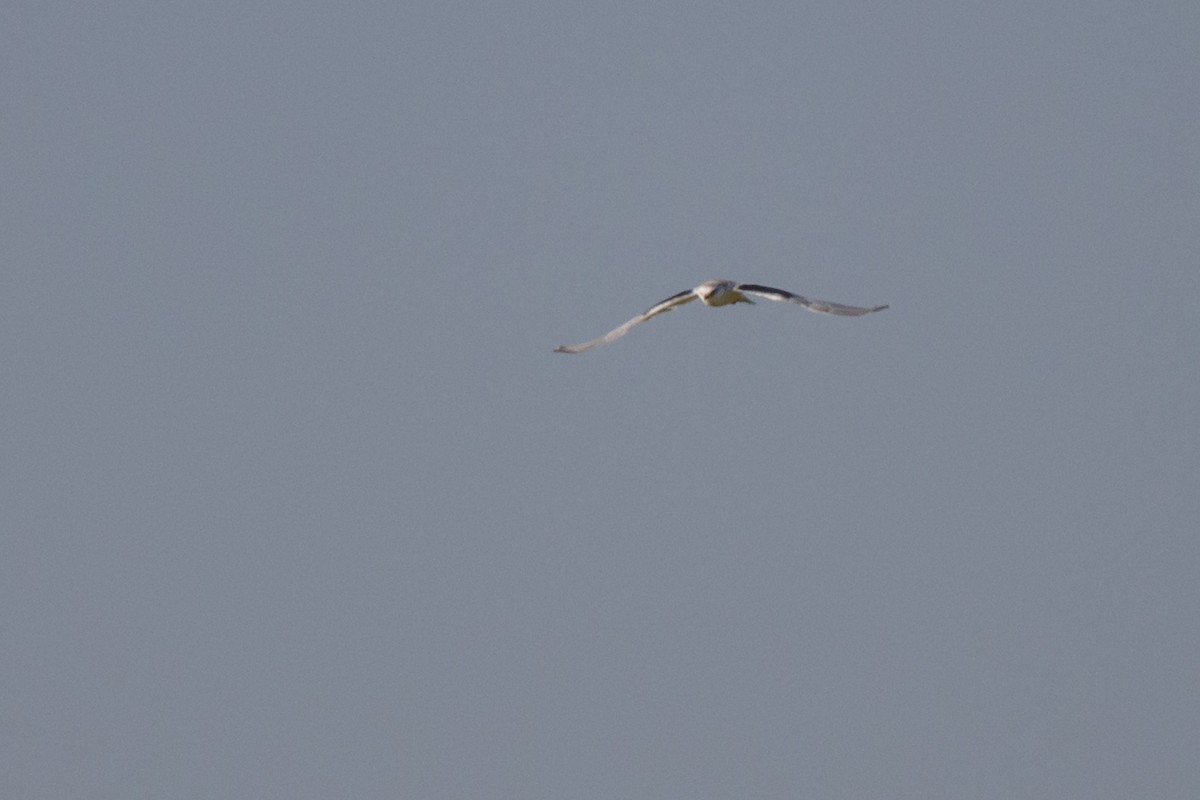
{"x":671,"y":302}
{"x":820,"y":306}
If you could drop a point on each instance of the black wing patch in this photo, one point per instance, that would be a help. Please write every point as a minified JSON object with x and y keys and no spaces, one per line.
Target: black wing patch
{"x":769,"y":291}
{"x":670,"y":299}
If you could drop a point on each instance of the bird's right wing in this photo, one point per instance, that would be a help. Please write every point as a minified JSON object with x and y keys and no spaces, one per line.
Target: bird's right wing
{"x":820,"y":306}
{"x":671,"y":302}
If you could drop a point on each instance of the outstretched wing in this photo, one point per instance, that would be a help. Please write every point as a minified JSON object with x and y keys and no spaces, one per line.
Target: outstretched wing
{"x":820,"y":306}
{"x":666,"y":305}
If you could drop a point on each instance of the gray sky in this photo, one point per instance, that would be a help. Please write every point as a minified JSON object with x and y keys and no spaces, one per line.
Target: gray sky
{"x":298,"y":501}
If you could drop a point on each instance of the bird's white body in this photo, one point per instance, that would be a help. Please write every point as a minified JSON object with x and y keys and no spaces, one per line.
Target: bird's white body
{"x":721,"y":292}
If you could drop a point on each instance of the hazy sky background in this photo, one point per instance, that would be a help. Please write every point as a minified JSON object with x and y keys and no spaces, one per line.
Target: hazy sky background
{"x":298,"y":502}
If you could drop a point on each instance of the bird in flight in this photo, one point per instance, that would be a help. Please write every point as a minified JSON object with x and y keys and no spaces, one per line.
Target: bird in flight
{"x":720,"y":293}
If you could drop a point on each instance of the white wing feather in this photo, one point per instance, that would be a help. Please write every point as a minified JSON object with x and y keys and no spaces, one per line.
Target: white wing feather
{"x":820,"y":306}
{"x":674,"y":301}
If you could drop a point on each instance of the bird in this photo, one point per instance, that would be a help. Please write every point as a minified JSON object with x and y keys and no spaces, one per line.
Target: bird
{"x":720,"y":292}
